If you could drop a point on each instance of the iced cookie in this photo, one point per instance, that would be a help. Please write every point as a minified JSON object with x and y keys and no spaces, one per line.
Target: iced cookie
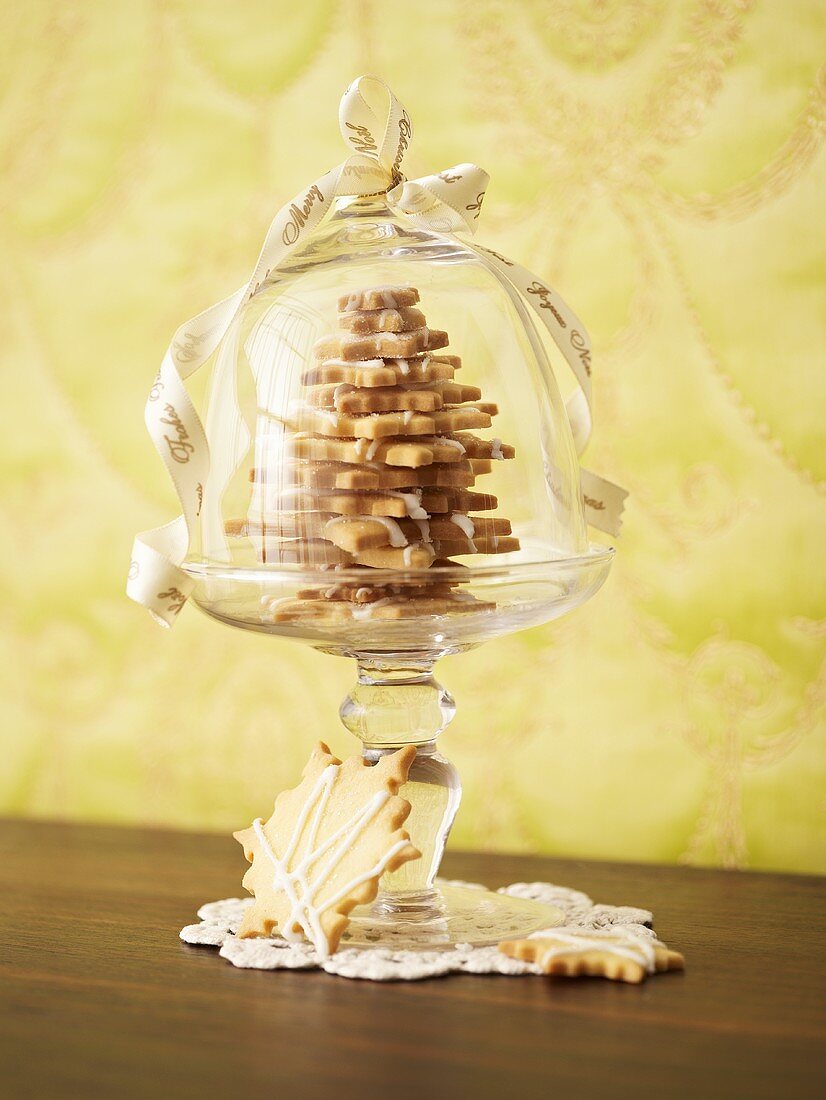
{"x":325,"y":847}
{"x":354,"y":533}
{"x":393,"y":345}
{"x":325,"y":556}
{"x":365,"y":321}
{"x":418,"y":504}
{"x":369,"y":593}
{"x":383,"y":502}
{"x":354,"y":402}
{"x":391,"y":452}
{"x":384,"y":425}
{"x":621,"y":955}
{"x":379,"y":297}
{"x":388,"y":608}
{"x":382,"y":372}
{"x":426,"y":397}
{"x":342,"y":475}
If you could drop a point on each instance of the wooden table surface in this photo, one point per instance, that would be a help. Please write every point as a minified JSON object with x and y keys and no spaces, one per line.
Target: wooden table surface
{"x":98,"y":997}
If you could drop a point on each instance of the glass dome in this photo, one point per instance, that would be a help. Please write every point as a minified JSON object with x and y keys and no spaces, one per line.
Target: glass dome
{"x":392,"y":467}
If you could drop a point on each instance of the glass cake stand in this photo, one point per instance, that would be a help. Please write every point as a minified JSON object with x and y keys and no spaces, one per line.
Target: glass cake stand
{"x":296,"y":425}
{"x":396,"y":701}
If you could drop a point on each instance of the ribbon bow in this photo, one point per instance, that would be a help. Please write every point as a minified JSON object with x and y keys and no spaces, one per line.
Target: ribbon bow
{"x":378,"y":129}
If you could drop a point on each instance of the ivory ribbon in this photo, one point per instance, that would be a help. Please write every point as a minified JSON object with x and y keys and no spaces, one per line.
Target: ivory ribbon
{"x":378,"y":129}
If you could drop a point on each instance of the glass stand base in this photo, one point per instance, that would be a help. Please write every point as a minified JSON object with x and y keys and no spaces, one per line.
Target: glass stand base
{"x":453,"y":915}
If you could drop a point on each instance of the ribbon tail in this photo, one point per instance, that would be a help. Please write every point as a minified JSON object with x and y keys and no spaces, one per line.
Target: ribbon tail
{"x":155,"y":579}
{"x":603,"y":501}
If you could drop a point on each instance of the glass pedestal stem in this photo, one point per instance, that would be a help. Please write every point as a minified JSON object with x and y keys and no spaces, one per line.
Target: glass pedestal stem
{"x":395,"y":702}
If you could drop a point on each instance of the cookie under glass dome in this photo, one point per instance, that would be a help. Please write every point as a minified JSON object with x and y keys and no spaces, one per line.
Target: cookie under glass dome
{"x":393,"y":523}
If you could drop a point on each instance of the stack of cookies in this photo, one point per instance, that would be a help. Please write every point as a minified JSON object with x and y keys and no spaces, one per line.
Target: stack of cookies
{"x":378,"y":466}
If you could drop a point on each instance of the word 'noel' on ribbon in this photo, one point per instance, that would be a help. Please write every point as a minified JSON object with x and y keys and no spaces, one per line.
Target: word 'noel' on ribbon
{"x":376,"y":126}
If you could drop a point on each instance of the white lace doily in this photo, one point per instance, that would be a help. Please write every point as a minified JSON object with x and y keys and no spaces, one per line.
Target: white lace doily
{"x":219,"y":921}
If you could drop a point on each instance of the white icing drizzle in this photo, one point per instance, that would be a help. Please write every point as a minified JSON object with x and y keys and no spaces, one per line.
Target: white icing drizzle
{"x":352,"y":302}
{"x":456,"y":444}
{"x":496,"y":449}
{"x":361,"y":593}
{"x":351,"y":364}
{"x":403,"y":365}
{"x":373,"y":448}
{"x":631,"y":947}
{"x":424,"y":529}
{"x":408,"y":416}
{"x":397,"y":536}
{"x":295,"y":882}
{"x":412,"y":502}
{"x":466,"y":525}
{"x":344,"y":387}
{"x":408,"y":554}
{"x":360,"y":446}
{"x":436,"y":440}
{"x":387,"y":297}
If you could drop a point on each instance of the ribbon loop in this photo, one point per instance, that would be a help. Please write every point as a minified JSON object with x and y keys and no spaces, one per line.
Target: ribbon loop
{"x":373,"y":122}
{"x":449,"y":202}
{"x":378,"y":130}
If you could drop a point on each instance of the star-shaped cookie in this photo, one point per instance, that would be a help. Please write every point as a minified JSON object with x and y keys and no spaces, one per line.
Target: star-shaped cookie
{"x":618,"y":954}
{"x":325,"y":847}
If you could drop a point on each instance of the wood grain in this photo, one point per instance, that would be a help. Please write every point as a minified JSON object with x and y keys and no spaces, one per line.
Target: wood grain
{"x":99,"y":997}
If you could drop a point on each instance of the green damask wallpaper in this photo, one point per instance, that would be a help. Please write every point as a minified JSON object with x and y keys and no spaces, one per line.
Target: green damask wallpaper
{"x":660,"y":162}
